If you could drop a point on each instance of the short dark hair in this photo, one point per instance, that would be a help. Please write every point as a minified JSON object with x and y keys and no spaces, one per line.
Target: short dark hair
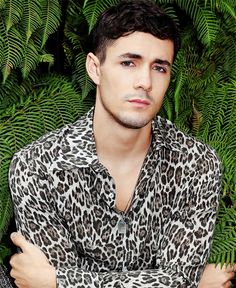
{"x":128,"y":17}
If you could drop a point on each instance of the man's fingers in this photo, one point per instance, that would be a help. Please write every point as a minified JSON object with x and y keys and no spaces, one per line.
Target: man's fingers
{"x":231,"y":268}
{"x":19,"y":240}
{"x":228,"y":284}
{"x":228,"y":267}
{"x":12,"y":262}
{"x":231,"y":275}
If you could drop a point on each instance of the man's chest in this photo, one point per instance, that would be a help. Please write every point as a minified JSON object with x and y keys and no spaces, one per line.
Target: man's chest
{"x":86,"y":201}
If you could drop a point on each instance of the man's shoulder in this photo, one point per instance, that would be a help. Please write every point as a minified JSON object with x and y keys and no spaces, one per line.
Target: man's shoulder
{"x":177,"y":139}
{"x":52,"y":141}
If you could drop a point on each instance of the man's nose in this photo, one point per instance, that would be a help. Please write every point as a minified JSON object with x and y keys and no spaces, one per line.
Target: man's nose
{"x":143,"y":80}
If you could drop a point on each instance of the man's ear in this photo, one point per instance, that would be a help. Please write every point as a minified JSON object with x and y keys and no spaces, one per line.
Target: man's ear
{"x":93,"y":67}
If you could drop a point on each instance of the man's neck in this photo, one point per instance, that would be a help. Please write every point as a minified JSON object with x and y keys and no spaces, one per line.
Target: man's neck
{"x":118,"y":142}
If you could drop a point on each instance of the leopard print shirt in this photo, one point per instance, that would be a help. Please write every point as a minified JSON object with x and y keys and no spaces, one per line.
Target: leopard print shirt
{"x":64,"y":202}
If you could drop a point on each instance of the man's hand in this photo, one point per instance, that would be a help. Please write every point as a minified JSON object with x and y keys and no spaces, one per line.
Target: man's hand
{"x":217,"y":277}
{"x":31,"y":268}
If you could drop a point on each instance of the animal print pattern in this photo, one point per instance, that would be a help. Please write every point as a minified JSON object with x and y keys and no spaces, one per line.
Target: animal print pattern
{"x":64,"y":202}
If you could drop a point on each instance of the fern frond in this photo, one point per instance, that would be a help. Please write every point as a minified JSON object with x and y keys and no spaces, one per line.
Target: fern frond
{"x":22,"y":125}
{"x":227,"y":7}
{"x":12,"y":49}
{"x":46,"y":58}
{"x":167,"y":109}
{"x":229,"y":50}
{"x":74,"y":9}
{"x":80,"y":75}
{"x":93,"y":8}
{"x":204,"y":20}
{"x":13,"y":12}
{"x":31,"y":18}
{"x":169,"y":10}
{"x":1,"y":49}
{"x":15,"y":89}
{"x":2,"y":3}
{"x":30,"y":59}
{"x":224,"y":236}
{"x":180,"y":75}
{"x":74,"y":39}
{"x":165,"y":1}
{"x":51,"y":13}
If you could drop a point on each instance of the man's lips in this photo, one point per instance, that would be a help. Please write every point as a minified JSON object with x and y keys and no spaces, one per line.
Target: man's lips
{"x":139,"y":101}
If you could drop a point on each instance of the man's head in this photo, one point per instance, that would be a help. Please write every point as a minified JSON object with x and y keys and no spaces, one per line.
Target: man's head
{"x":134,"y":47}
{"x":129,"y":17}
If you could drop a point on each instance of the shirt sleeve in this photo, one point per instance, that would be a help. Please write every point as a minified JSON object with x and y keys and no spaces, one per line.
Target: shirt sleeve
{"x":39,"y":221}
{"x":188,"y":231}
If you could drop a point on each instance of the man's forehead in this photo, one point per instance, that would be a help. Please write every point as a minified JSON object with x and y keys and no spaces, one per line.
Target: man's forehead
{"x":140,"y":44}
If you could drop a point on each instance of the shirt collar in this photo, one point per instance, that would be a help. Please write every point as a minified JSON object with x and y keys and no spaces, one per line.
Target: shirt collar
{"x":78,"y":148}
{"x":164,"y":135}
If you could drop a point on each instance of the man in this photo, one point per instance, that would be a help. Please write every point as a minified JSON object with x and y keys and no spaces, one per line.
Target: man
{"x":120,"y":198}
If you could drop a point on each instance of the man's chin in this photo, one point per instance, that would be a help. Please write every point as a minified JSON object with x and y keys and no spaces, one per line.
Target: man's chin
{"x":133,"y":123}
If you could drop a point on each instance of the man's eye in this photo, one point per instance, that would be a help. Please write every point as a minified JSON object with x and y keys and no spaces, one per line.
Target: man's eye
{"x":160,"y":69}
{"x":127,"y":63}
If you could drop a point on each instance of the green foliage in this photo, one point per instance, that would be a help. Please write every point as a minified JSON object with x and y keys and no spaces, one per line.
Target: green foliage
{"x":93,"y":8}
{"x":223,"y":249}
{"x":31,"y":18}
{"x":13,"y":13}
{"x":25,"y":26}
{"x":81,"y":76}
{"x":50,"y":10}
{"x":12,"y":49}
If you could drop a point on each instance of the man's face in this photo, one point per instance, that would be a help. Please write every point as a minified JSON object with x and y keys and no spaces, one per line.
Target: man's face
{"x":133,"y":79}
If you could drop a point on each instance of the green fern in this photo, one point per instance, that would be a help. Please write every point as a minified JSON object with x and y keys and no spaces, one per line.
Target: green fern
{"x":81,"y":76}
{"x":224,"y":236}
{"x":228,"y":7}
{"x":15,"y":90}
{"x":30,"y":59}
{"x":31,"y":18}
{"x":93,"y":8}
{"x":25,"y":26}
{"x":204,"y":20}
{"x":180,"y":79}
{"x":13,"y":13}
{"x":50,"y":10}
{"x":12,"y":50}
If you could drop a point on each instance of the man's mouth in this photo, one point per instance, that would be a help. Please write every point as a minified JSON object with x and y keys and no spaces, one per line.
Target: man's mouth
{"x":139,"y":101}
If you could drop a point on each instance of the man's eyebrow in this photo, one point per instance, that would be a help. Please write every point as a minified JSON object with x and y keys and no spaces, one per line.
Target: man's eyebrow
{"x":138,"y":56}
{"x":163,"y":62}
{"x":130,"y":56}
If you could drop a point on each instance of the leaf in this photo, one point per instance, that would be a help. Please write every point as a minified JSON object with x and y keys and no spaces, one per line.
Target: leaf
{"x":204,"y":20}
{"x":12,"y":49}
{"x":93,"y":8}
{"x":30,"y":59}
{"x":13,"y":12}
{"x":51,"y":13}
{"x":31,"y":17}
{"x":80,"y":75}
